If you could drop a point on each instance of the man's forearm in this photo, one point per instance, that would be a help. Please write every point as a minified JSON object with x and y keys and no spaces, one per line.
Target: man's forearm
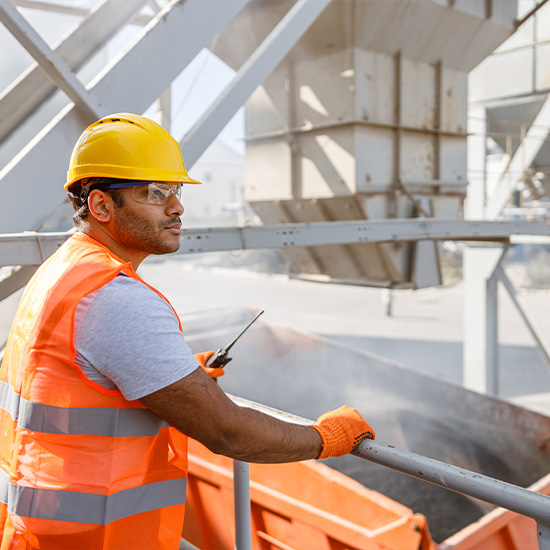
{"x":257,"y":437}
{"x":200,"y":409}
{"x":197,"y":407}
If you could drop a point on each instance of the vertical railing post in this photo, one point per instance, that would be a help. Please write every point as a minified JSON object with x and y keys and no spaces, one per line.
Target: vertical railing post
{"x":241,"y":490}
{"x":543,"y":534}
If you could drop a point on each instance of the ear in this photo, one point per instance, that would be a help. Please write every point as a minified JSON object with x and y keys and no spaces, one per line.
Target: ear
{"x":100,"y":205}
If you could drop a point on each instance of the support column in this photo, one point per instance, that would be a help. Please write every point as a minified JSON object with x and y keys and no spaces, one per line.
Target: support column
{"x":480,"y":363}
{"x":480,"y":350}
{"x":477,"y":172}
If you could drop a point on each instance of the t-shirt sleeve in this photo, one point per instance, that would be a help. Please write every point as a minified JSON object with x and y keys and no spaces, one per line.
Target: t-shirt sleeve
{"x":130,"y":335}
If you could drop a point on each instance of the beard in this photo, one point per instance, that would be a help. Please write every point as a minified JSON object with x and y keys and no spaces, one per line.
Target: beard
{"x":144,"y":234}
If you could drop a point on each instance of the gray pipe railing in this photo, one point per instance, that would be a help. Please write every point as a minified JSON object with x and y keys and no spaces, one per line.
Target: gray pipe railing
{"x":497,"y":492}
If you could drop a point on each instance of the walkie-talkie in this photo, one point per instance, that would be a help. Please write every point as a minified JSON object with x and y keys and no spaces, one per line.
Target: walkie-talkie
{"x":220,"y":359}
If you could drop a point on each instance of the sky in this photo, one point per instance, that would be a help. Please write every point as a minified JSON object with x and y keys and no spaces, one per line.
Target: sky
{"x":193,"y":91}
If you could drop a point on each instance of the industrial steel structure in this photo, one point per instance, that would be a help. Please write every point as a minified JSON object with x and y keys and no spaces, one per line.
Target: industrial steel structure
{"x":357,"y":134}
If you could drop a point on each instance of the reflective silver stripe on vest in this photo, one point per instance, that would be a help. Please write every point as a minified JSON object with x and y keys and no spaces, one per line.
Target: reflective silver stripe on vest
{"x":89,"y":420}
{"x":9,"y":400}
{"x":88,"y":507}
{"x":79,"y":420}
{"x":4,"y":487}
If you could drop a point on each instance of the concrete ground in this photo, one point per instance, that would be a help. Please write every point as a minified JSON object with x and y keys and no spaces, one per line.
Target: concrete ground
{"x":425,"y":329}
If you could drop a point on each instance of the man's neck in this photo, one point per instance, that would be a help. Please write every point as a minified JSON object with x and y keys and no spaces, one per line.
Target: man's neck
{"x":106,"y":239}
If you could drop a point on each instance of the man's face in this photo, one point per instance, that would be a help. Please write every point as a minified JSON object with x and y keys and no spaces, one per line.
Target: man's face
{"x":148,"y":228}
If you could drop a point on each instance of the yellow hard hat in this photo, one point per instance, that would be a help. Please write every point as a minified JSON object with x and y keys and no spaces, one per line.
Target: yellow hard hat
{"x":130,"y":147}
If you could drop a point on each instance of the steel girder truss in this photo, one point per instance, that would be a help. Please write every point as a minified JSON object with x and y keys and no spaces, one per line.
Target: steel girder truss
{"x":253,"y":72}
{"x":483,"y":270}
{"x":33,"y":87}
{"x":131,"y":83}
{"x":173,"y":38}
{"x":522,"y":159}
{"x":170,"y":41}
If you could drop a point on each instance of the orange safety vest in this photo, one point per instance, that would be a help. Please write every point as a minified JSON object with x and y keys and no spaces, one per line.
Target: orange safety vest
{"x":80,"y":466}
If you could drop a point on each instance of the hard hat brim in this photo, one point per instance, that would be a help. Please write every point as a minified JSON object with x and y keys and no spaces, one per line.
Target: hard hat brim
{"x":108,"y":171}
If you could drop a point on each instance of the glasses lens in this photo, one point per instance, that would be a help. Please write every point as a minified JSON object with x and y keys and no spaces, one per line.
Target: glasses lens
{"x":156,"y":193}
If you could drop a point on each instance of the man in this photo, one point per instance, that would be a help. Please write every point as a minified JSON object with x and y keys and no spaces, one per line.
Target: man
{"x":98,"y":390}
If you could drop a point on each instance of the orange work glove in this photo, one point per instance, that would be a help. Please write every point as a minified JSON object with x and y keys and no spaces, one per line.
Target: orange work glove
{"x":341,"y":431}
{"x":202,"y":358}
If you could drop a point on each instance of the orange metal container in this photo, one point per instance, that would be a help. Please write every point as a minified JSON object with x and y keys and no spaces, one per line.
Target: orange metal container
{"x":500,"y":529}
{"x":304,"y":505}
{"x":309,"y":506}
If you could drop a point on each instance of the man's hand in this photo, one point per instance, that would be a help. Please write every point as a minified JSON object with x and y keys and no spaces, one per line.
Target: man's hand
{"x":341,"y":431}
{"x":202,"y":358}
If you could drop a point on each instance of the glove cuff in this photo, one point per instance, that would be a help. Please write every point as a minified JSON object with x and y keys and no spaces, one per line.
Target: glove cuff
{"x":332,"y":444}
{"x":338,"y":440}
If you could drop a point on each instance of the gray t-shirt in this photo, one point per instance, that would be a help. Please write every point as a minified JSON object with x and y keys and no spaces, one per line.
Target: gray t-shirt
{"x":128,"y":337}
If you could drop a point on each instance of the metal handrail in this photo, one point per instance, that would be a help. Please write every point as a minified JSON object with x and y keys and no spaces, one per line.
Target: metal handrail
{"x":497,"y":492}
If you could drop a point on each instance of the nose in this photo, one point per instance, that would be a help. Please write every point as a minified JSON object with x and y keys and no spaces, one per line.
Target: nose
{"x":174,"y":206}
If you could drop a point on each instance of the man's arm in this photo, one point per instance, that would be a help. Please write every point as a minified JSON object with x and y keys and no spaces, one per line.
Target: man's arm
{"x":197,"y":407}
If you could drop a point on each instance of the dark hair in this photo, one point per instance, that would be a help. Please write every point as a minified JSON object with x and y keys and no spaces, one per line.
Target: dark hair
{"x":78,"y":194}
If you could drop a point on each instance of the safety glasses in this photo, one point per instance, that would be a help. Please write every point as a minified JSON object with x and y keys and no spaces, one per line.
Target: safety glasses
{"x":153,"y":192}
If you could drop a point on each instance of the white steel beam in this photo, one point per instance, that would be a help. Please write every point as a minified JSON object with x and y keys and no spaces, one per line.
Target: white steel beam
{"x":253,"y":72}
{"x":153,"y":5}
{"x":49,"y":60}
{"x":29,"y":248}
{"x":130,"y":84}
{"x":538,"y":335}
{"x":19,"y":277}
{"x":522,"y":159}
{"x":25,"y":94}
{"x":137,"y":19}
{"x":51,"y":7}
